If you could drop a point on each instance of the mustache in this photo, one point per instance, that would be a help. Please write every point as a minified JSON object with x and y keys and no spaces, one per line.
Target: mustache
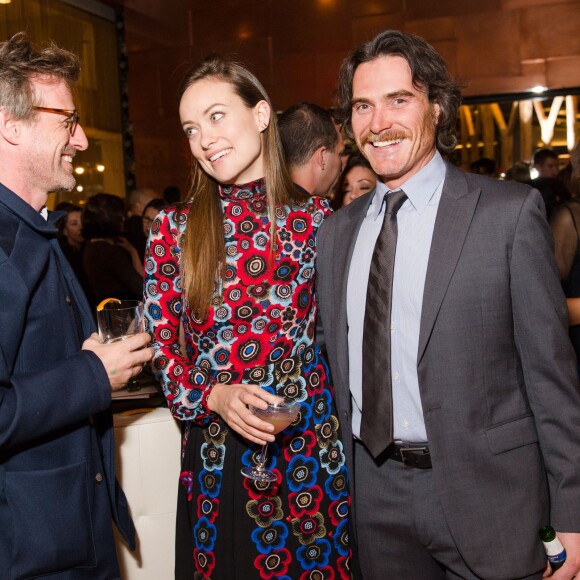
{"x":385,"y":136}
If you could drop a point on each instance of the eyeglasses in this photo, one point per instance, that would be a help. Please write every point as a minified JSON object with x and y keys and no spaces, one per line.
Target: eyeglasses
{"x":72,"y":117}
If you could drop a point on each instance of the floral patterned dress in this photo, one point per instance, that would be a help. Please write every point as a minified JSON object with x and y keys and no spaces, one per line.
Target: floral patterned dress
{"x":262,"y":333}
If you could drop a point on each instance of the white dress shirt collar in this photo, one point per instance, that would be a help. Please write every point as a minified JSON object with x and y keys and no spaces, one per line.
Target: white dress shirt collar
{"x":419,"y":188}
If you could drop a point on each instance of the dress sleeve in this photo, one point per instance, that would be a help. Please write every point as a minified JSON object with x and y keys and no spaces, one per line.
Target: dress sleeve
{"x":185,"y":385}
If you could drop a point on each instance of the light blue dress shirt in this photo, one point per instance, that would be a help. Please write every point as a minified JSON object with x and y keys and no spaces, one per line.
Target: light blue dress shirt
{"x":415,"y":224}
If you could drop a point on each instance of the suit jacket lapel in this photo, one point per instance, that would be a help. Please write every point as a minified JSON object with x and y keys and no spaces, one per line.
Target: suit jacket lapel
{"x":456,"y":209}
{"x":347,"y":228}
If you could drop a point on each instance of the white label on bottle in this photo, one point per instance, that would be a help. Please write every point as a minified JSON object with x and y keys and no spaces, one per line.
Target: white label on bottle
{"x":554,"y":547}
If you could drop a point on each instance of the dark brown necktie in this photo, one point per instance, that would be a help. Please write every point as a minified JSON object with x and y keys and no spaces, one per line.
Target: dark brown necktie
{"x":377,"y":413}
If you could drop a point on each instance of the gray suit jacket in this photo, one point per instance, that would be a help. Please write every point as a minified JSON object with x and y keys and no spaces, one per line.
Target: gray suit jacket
{"x":497,"y":372}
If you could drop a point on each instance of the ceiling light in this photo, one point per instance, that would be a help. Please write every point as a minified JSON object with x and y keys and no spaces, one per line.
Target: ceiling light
{"x":539,"y":89}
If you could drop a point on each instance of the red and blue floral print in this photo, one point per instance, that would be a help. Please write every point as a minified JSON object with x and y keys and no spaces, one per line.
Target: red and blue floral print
{"x":262,"y":332}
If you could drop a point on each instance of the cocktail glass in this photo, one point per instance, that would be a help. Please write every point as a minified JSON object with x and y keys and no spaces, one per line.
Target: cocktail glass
{"x":119,"y":319}
{"x":280,"y":416}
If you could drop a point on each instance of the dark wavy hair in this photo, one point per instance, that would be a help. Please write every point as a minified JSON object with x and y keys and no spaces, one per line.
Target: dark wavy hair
{"x":103,"y":216}
{"x":356,"y":159}
{"x":67,"y":207}
{"x":428,"y":73}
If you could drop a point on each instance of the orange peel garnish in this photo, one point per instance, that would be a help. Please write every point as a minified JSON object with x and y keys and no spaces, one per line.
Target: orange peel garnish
{"x":106,"y":301}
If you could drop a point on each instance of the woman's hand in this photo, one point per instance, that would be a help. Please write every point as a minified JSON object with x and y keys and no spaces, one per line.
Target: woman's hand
{"x":231,"y":402}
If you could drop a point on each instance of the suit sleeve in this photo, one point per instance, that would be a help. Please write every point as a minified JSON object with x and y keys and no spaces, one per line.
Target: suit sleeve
{"x":548,"y":359}
{"x":35,"y":404}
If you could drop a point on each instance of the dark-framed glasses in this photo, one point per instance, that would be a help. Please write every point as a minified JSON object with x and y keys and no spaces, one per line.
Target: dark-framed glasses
{"x":72,"y":117}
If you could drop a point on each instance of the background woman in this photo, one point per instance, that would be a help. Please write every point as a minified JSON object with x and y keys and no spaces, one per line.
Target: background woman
{"x":356,"y":179}
{"x":71,"y":241}
{"x":150,"y":213}
{"x":247,"y":309}
{"x":111,"y":263}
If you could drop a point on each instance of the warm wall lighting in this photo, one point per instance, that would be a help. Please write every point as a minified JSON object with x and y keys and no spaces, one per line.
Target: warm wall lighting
{"x":245,"y":32}
{"x":80,"y":188}
{"x":78,"y":170}
{"x":100,"y":168}
{"x":5,"y":1}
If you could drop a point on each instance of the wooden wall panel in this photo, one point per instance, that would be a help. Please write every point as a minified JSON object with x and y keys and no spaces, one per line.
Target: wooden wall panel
{"x":250,"y":21}
{"x":434,"y":28}
{"x":563,"y":72}
{"x":488,"y":47}
{"x":514,"y":4}
{"x":550,"y":30}
{"x":370,"y":7}
{"x":366,"y":27}
{"x":494,"y":47}
{"x":425,"y":9}
{"x":317,"y":26}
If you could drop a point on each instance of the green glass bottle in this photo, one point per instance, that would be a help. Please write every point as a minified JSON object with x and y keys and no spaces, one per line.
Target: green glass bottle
{"x":554,"y":549}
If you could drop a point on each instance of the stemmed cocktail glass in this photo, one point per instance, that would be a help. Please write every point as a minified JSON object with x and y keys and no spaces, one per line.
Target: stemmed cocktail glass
{"x":280,"y":415}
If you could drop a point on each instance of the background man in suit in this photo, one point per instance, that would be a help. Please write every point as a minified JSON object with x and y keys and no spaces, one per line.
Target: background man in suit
{"x":58,"y":492}
{"x":478,"y":446}
{"x":312,"y":147}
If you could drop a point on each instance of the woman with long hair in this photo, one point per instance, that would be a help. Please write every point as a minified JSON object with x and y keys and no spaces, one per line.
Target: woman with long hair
{"x":356,"y":179}
{"x":234,"y":268}
{"x":71,"y":240}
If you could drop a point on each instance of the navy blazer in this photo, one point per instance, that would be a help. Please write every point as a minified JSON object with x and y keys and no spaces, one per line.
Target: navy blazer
{"x":58,"y":491}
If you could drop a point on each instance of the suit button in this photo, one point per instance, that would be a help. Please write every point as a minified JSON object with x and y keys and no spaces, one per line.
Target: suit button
{"x":68,"y":299}
{"x":99,"y":478}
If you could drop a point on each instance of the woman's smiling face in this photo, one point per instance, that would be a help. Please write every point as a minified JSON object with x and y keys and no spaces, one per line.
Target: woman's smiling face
{"x":224,"y":134}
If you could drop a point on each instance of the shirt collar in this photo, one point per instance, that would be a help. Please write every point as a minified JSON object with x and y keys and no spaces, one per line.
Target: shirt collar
{"x":420,"y":188}
{"x":24,"y":211}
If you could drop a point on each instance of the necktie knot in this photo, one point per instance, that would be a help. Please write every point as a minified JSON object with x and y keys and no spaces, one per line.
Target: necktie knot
{"x":394,"y":200}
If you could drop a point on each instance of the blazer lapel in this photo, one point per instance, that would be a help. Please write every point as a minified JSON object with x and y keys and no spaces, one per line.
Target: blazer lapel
{"x":452,"y":223}
{"x":349,"y":223}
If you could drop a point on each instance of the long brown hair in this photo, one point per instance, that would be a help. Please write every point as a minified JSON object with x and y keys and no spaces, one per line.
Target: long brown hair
{"x":203,"y":253}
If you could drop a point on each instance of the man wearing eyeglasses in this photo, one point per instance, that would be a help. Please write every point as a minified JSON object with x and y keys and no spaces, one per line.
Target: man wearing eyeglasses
{"x":58,"y":491}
